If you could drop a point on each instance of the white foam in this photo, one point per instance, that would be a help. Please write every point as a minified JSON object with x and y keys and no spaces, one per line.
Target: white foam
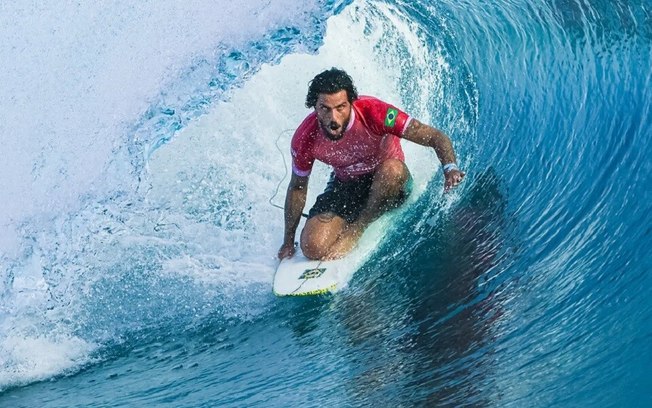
{"x":75,"y":78}
{"x":33,"y":358}
{"x":75,"y":75}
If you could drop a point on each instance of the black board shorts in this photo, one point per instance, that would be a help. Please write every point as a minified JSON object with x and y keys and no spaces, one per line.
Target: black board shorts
{"x":347,"y":198}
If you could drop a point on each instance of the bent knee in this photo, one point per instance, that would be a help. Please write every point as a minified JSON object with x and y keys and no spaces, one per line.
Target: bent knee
{"x":315,"y":245}
{"x":313,"y":250}
{"x":319,"y":234}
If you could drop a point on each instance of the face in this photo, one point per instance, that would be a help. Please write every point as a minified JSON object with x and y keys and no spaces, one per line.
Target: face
{"x":334,"y":112}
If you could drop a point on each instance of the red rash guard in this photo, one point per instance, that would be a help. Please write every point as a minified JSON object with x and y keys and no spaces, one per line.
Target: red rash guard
{"x":371,"y":137}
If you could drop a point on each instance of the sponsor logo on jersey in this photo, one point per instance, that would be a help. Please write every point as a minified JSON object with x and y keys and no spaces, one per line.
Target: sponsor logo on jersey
{"x":359,"y":167}
{"x":390,"y":117}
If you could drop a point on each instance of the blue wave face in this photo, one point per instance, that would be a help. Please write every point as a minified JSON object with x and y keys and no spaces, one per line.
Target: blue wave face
{"x":143,"y":263}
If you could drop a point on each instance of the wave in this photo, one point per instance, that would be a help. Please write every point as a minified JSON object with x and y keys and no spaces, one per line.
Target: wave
{"x":144,"y":158}
{"x":90,"y":92}
{"x":170,"y":208}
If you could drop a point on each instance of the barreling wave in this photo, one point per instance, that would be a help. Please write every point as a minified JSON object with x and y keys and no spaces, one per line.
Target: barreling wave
{"x":149,"y":222}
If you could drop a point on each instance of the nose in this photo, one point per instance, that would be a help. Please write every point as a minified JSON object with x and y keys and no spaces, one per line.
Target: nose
{"x":338,"y":116}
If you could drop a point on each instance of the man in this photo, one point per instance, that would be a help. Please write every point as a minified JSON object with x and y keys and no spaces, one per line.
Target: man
{"x":359,"y":137}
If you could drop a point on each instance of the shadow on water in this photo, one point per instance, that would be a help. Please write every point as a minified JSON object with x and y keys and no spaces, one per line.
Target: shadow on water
{"x":303,"y":314}
{"x":420,"y":327}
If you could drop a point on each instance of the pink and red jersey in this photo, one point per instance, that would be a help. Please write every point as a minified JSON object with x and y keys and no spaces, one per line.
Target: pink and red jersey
{"x":371,"y":137}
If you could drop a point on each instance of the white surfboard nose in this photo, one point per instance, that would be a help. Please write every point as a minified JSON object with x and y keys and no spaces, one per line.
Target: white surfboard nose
{"x":299,"y":276}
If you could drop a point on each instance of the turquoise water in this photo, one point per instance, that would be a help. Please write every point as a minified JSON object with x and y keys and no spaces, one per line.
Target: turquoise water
{"x":137,"y":242}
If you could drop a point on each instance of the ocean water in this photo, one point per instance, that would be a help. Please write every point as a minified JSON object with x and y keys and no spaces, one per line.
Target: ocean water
{"x":143,"y":146}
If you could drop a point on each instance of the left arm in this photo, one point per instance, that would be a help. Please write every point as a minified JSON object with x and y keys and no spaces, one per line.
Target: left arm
{"x":425,"y":135}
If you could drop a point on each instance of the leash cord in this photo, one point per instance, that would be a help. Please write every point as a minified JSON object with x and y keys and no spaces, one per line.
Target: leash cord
{"x":285,"y":166}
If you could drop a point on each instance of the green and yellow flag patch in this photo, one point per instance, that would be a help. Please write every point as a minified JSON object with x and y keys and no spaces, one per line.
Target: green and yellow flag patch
{"x":390,"y":117}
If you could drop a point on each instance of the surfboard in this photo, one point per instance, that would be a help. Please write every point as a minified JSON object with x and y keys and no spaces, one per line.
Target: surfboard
{"x":300,"y":276}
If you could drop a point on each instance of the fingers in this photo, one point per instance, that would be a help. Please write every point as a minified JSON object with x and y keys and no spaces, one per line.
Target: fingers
{"x":286,"y":252}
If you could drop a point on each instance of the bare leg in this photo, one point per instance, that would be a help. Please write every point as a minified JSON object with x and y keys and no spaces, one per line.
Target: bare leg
{"x":389,"y":181}
{"x":320,"y":233}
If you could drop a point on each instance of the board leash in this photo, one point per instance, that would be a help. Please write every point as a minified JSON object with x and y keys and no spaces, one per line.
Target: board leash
{"x":285,"y":166}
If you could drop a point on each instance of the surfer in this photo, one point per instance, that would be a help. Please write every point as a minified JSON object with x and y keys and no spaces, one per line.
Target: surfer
{"x":359,"y":137}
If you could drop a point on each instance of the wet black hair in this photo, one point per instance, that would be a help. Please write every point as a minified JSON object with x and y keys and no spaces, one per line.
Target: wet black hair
{"x":329,"y":82}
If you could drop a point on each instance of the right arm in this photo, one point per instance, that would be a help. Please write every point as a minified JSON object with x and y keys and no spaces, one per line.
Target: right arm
{"x":295,"y":201}
{"x":425,"y":135}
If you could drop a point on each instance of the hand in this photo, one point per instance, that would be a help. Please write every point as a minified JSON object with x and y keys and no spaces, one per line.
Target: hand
{"x":453,"y":177}
{"x":287,"y":250}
